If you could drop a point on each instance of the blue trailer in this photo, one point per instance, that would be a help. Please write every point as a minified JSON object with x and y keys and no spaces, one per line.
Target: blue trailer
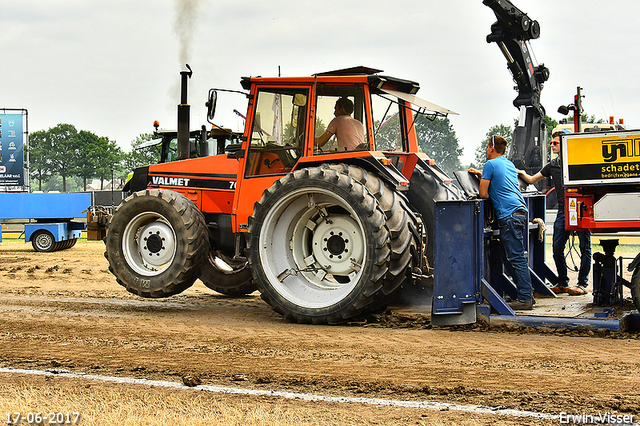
{"x":51,"y":219}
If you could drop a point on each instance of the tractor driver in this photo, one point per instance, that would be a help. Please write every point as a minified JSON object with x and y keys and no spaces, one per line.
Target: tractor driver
{"x":348,"y":130}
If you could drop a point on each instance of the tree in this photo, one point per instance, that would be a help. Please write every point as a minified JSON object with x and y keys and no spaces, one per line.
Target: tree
{"x":584,"y":118}
{"x":507,"y":133}
{"x":62,"y":152}
{"x":550,"y":124}
{"x":141,"y":157}
{"x":74,"y":184}
{"x":438,"y":140}
{"x":320,"y":126}
{"x":387,"y":134}
{"x":86,"y":162}
{"x":39,"y":147}
{"x":62,"y":157}
{"x":481,"y":151}
{"x":110,"y":159}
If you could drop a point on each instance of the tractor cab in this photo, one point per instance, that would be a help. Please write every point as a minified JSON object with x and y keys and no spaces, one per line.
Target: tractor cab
{"x":287,"y":117}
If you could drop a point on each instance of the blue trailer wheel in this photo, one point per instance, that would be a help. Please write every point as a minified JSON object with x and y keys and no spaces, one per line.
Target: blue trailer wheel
{"x":43,"y":241}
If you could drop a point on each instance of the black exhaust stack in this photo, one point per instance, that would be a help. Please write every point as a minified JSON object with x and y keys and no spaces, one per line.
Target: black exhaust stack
{"x":183,"y":117}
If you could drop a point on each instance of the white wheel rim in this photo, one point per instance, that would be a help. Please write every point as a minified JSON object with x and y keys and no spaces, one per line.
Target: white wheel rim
{"x":44,"y":241}
{"x":311,"y":251}
{"x":149,"y":244}
{"x":337,"y":244}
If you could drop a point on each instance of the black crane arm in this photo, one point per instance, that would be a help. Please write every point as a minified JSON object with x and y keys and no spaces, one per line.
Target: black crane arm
{"x":512,"y":32}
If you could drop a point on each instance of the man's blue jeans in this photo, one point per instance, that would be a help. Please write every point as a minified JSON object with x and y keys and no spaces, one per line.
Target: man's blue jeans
{"x":560,"y":238}
{"x":512,"y":229}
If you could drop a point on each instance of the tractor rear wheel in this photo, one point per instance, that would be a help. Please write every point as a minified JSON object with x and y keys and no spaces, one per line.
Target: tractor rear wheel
{"x":319,"y":246}
{"x":424,"y":190}
{"x":156,"y":242}
{"x":635,"y":287}
{"x":222,"y":274}
{"x":402,"y":226}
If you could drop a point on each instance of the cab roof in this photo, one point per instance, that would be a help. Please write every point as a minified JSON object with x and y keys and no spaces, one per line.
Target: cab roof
{"x":359,"y":74}
{"x":378,"y":83}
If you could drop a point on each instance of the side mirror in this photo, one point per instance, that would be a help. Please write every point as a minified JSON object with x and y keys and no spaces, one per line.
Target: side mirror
{"x":211,"y":104}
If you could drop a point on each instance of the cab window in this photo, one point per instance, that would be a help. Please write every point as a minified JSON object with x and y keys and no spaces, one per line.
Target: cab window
{"x":278,"y":129}
{"x":387,"y":131}
{"x":327,"y":96}
{"x":172,"y":150}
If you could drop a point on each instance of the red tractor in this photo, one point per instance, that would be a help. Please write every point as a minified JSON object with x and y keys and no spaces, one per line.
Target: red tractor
{"x":324,"y":235}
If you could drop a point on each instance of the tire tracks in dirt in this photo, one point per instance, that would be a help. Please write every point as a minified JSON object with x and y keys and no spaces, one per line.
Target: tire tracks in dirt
{"x":242,"y":340}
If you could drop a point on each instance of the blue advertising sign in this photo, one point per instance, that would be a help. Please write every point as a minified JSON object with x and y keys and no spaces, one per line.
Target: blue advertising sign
{"x":11,"y":150}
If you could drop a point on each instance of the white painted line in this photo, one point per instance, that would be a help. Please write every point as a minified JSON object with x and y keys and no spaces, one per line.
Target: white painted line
{"x":289,"y":395}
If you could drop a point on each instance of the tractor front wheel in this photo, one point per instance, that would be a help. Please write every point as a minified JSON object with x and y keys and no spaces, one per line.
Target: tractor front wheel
{"x":156,"y":242}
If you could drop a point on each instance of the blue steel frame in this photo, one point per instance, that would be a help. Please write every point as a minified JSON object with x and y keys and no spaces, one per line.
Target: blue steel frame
{"x":469,"y":278}
{"x":60,"y":231}
{"x":53,"y":211}
{"x":57,"y":206}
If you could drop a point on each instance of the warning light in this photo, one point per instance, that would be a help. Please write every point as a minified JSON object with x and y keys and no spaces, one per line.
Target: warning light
{"x":156,"y":124}
{"x":611,"y":120}
{"x":621,"y":121}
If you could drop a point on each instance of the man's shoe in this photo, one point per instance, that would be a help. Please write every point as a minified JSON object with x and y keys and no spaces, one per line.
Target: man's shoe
{"x":560,"y":289}
{"x":577,"y":291}
{"x":517,"y":305}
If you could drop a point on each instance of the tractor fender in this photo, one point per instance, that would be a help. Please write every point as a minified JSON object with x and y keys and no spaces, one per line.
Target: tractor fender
{"x":138,"y":181}
{"x":446,"y":189}
{"x":388,"y":173}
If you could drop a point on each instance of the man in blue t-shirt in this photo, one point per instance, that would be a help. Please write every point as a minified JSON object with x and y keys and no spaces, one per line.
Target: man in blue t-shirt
{"x":499,"y":182}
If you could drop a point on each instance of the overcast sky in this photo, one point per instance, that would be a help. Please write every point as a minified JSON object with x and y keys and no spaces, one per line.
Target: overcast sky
{"x":112,"y":67}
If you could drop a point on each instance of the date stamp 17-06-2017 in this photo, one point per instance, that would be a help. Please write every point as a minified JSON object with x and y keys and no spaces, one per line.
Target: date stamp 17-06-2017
{"x":51,"y":418}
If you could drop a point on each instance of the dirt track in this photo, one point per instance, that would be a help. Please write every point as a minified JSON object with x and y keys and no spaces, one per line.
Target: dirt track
{"x":64,"y":310}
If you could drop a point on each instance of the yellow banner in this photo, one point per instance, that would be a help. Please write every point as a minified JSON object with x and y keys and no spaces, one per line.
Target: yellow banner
{"x":608,"y":149}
